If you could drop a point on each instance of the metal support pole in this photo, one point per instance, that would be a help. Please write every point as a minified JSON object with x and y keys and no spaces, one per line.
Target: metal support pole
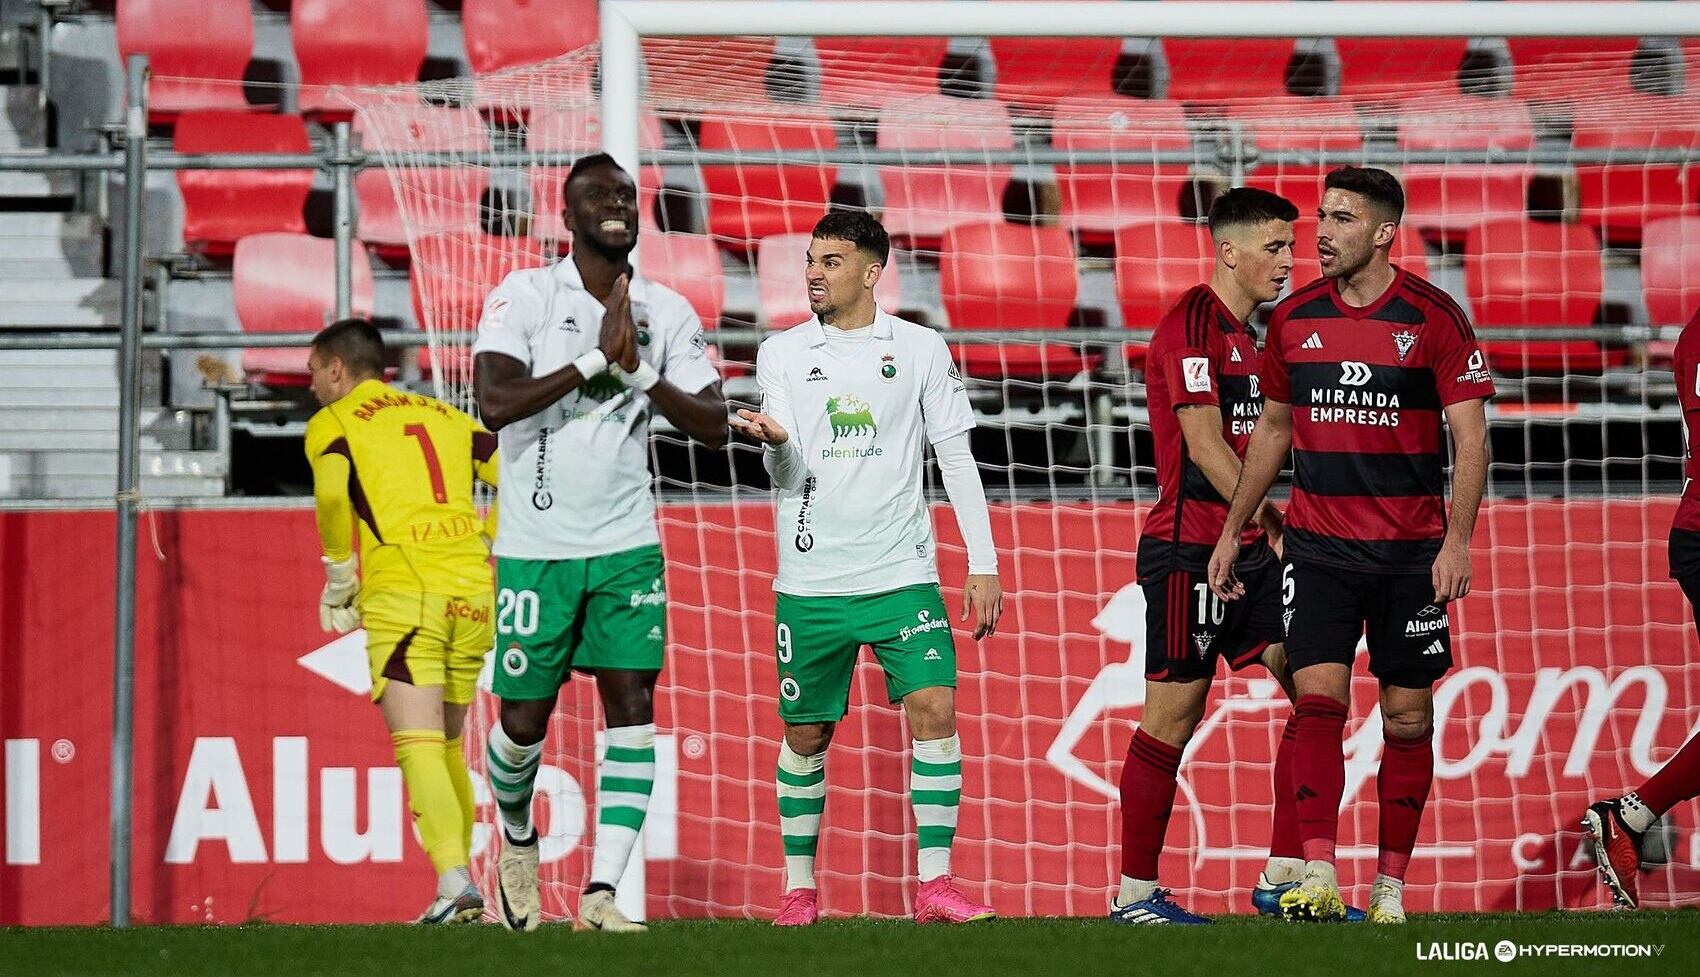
{"x":344,"y":226}
{"x":1236,"y":154}
{"x":129,"y":392}
{"x":43,"y":70}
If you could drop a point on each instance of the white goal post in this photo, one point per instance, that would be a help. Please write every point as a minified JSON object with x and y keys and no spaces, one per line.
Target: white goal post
{"x":625,"y":22}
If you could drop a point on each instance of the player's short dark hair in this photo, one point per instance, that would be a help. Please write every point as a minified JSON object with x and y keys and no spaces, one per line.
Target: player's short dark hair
{"x":859,"y":228}
{"x":356,"y":342}
{"x":1249,"y":205}
{"x":585,"y":164}
{"x":1377,"y":186}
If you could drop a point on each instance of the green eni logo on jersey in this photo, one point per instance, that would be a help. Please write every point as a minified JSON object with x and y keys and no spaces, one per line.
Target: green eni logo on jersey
{"x":593,"y":394}
{"x":850,"y":417}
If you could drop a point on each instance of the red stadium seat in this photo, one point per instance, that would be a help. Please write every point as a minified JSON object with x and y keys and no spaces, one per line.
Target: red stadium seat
{"x":871,"y":73}
{"x":336,"y":45}
{"x":779,"y":277}
{"x":1097,"y":199}
{"x":452,"y":275}
{"x":1408,"y":252}
{"x":1220,"y":69}
{"x":1291,"y":124}
{"x":507,"y":33}
{"x":749,"y":202}
{"x":197,"y":59}
{"x":1376,"y":70}
{"x":579,"y":131}
{"x":1447,"y":200}
{"x":723,"y":69}
{"x":1157,"y":261}
{"x":921,"y":202}
{"x":1536,"y":274}
{"x":1034,"y":73}
{"x":1670,"y":270}
{"x":222,"y":206}
{"x":287,"y":283}
{"x":1559,"y":68}
{"x":688,"y":264}
{"x":995,"y":275}
{"x":1619,"y":199}
{"x":442,"y":200}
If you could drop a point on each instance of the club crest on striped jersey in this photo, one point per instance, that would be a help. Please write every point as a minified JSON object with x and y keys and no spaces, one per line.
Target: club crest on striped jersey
{"x":1202,"y":641}
{"x":1402,"y":343}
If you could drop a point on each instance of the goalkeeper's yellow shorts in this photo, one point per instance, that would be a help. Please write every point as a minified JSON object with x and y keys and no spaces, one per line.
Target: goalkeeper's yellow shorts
{"x":427,"y":639}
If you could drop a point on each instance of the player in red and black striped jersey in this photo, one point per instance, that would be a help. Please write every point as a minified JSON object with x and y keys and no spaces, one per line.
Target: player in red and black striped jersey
{"x":1202,"y":391}
{"x":1358,"y":369}
{"x":1617,"y":825}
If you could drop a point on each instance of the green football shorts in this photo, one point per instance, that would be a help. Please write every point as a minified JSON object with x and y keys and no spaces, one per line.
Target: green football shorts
{"x":817,"y":640}
{"x":553,"y":615}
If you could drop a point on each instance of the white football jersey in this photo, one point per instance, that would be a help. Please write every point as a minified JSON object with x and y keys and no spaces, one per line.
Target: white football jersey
{"x":575,"y":480}
{"x":862,"y":420}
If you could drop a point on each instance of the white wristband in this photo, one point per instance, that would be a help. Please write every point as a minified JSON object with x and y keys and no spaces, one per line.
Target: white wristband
{"x":640,"y":379}
{"x":591,"y":364}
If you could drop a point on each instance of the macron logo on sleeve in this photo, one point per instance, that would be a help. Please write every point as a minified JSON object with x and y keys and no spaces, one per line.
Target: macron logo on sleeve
{"x":1196,"y":371}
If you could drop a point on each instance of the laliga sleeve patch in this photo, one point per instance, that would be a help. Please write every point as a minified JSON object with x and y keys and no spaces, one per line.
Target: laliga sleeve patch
{"x":495,"y":314}
{"x":1196,"y":371}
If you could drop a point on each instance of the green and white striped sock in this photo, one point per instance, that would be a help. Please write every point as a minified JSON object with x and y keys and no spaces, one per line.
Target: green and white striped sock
{"x":513,"y":770}
{"x":935,"y":791}
{"x":623,"y":786}
{"x":801,"y":785}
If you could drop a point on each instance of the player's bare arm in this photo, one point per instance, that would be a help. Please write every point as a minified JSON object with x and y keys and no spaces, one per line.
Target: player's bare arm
{"x":1468,"y":422}
{"x":1267,"y":451}
{"x":1201,"y":428}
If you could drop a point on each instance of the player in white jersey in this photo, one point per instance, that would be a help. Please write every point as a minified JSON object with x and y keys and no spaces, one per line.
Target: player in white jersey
{"x":569,"y":361}
{"x":850,"y":399}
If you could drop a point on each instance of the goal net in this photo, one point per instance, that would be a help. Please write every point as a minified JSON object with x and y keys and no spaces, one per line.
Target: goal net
{"x":1044,"y":197}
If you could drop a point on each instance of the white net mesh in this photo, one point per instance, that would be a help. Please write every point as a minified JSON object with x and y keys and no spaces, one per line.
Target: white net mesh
{"x":1044,"y":199}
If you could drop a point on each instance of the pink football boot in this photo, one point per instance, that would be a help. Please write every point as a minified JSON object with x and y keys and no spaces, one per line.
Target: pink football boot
{"x":799,"y":908}
{"x":940,"y":901}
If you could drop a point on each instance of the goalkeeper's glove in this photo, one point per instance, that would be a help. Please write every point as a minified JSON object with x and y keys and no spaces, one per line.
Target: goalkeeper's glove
{"x":336,"y":602}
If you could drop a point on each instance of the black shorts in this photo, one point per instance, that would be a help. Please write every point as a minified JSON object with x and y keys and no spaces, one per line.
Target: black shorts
{"x":1187,"y":628}
{"x":1685,"y":566}
{"x":1329,"y":609}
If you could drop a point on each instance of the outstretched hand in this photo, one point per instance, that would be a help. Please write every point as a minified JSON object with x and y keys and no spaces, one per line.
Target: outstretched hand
{"x":759,"y":427}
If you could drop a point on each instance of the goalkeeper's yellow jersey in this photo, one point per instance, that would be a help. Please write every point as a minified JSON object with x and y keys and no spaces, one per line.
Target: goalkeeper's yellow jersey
{"x":400,"y":466}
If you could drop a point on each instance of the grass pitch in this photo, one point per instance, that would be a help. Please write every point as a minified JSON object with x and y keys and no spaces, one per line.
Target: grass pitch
{"x":862,"y":948}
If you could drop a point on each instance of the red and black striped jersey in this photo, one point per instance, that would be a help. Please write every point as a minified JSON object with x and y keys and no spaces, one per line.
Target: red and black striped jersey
{"x":1367,"y":387}
{"x":1686,"y":362}
{"x":1200,"y":354}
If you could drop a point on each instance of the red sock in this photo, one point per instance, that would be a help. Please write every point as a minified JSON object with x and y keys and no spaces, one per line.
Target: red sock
{"x":1401,"y":788}
{"x":1676,"y":781}
{"x":1148,"y":797}
{"x":1319,"y":773}
{"x":1284,"y":841}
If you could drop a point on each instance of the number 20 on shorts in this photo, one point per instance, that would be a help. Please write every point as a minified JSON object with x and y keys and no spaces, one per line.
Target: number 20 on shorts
{"x":516,"y":612}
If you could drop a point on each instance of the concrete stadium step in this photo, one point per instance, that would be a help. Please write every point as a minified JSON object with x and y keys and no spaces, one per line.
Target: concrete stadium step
{"x":49,"y":245}
{"x":93,"y":474}
{"x":23,"y":125}
{"x":23,"y":184}
{"x":89,"y":429}
{"x":63,"y":303}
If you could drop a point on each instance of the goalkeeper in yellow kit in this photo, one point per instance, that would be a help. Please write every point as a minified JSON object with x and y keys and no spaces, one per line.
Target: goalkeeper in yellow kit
{"x":398,"y":468}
